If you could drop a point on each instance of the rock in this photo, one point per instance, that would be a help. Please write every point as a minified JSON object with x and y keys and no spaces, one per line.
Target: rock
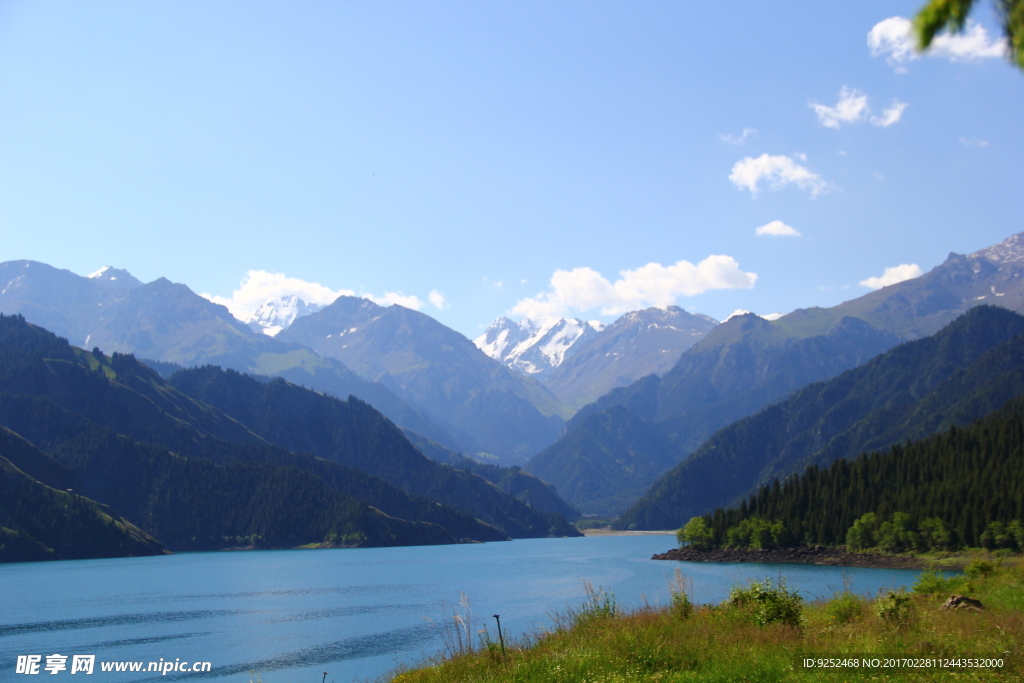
{"x":963,"y":602}
{"x":836,"y":557}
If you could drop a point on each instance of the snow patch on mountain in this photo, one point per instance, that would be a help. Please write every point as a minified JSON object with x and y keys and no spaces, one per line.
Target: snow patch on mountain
{"x":534,"y":348}
{"x":278,"y":313}
{"x":503,"y":336}
{"x":116,"y":275}
{"x":1010,"y":250}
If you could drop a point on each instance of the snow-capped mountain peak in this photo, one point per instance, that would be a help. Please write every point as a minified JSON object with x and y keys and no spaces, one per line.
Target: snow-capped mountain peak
{"x":532,"y":347}
{"x":503,"y":336}
{"x":1010,"y":250}
{"x":117,"y":275}
{"x":278,"y":313}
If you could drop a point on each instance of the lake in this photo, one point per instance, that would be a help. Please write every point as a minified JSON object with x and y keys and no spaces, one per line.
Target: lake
{"x":290,"y":615}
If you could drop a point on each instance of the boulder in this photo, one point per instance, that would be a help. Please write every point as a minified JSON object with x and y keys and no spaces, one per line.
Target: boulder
{"x":963,"y":602}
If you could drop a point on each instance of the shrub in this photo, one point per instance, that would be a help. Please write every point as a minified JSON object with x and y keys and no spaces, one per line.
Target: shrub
{"x":979,"y":569}
{"x":768,"y":603}
{"x":844,"y":608}
{"x":931,"y":582}
{"x":895,"y":608}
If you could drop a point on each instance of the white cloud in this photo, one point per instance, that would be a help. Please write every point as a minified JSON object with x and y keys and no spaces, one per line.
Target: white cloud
{"x":738,"y":311}
{"x":393,"y":298}
{"x":743,"y":311}
{"x":778,"y":172}
{"x":973,"y":142}
{"x":851,"y":108}
{"x":776,"y":229}
{"x":894,"y":38}
{"x":891,"y":115}
{"x":585,"y":289}
{"x":737,"y":140}
{"x":260,"y":286}
{"x":904,"y":271}
{"x":437,"y":300}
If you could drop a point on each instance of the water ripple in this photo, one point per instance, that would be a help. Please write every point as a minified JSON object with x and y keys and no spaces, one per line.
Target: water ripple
{"x":115,"y":620}
{"x":357,"y":647}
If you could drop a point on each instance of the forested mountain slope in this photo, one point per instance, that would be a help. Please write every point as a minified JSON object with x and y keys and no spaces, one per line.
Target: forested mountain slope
{"x":968,"y":369}
{"x":748,"y":363}
{"x":73,"y":404}
{"x":968,"y":477}
{"x":43,"y":519}
{"x":168,"y":322}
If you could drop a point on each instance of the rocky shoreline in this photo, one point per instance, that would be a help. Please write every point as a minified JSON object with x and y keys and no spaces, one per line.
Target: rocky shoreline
{"x":836,"y":557}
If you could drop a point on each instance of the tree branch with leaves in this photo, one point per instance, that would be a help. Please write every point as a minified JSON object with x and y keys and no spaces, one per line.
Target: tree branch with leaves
{"x":952,"y":15}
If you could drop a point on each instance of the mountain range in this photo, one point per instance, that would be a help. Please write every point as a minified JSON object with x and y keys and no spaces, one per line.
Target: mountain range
{"x":580,"y":361}
{"x":168,"y":323}
{"x":491,"y":410}
{"x":649,"y":408}
{"x":195,"y":476}
{"x":748,"y":363}
{"x":967,"y":370}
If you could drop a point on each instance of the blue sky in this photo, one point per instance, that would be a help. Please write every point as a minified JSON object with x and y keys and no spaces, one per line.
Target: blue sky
{"x":480,"y":159}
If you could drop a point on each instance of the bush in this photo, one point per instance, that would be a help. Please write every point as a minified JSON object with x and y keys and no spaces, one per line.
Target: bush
{"x":768,"y":603}
{"x":895,"y":608}
{"x":979,"y":569}
{"x":844,"y":608}
{"x":931,"y":582}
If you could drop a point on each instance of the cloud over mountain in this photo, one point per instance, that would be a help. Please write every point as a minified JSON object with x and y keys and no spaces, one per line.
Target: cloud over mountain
{"x":260,"y":286}
{"x":585,"y":289}
{"x":892,"y":275}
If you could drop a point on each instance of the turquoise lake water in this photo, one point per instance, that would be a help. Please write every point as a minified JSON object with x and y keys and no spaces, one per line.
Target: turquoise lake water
{"x":290,"y":615}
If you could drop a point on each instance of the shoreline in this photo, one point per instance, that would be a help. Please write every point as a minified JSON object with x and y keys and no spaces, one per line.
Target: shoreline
{"x":607,"y":531}
{"x":819,"y":555}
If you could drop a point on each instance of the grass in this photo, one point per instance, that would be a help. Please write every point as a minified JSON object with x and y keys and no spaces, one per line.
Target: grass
{"x":598,"y":643}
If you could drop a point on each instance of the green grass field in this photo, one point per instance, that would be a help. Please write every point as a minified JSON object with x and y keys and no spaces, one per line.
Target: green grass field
{"x":760,"y":634}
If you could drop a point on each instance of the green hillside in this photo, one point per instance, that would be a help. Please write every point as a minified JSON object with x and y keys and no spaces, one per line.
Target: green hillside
{"x":40,"y":522}
{"x":748,"y":363}
{"x":195,"y":478}
{"x":965,"y":371}
{"x":970,"y":478}
{"x":352,"y":433}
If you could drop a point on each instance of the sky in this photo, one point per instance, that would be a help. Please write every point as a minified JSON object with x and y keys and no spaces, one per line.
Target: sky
{"x":475,"y":160}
